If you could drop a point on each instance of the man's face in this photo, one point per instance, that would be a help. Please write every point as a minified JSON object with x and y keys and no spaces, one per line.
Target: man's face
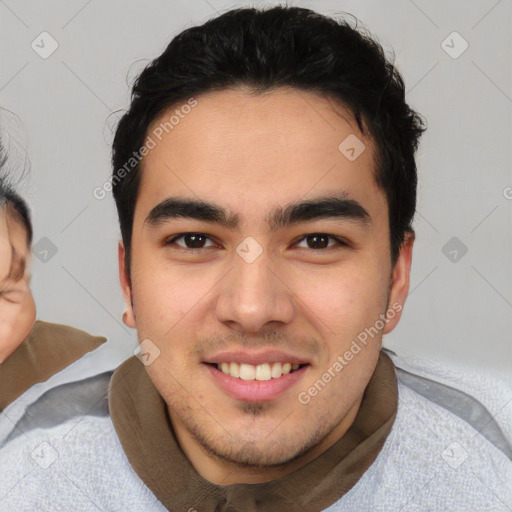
{"x":17,"y":308}
{"x":256,"y":294}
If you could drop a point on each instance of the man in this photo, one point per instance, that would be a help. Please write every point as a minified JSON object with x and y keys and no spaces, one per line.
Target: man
{"x":265,"y":182}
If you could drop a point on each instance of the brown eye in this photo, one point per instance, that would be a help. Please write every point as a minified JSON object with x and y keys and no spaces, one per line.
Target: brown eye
{"x":317,"y":241}
{"x":191,"y":240}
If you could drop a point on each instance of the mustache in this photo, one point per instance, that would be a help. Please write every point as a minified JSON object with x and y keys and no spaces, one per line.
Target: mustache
{"x":272,"y":339}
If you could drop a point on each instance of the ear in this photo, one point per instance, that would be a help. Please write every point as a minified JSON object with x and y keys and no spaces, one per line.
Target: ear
{"x":124,"y":279}
{"x":399,"y":283}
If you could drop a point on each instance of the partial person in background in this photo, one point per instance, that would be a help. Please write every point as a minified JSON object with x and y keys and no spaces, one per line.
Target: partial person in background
{"x":29,"y":352}
{"x":17,"y":307}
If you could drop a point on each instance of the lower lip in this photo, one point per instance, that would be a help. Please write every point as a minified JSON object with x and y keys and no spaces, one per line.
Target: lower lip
{"x":255,"y":390}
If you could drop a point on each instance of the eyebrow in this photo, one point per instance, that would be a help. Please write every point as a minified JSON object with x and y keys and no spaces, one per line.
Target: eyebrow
{"x":337,"y":206}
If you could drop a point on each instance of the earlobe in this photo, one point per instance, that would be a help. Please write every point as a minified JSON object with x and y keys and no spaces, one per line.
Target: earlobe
{"x":400,"y":280}
{"x":124,"y":279}
{"x":129,"y":318}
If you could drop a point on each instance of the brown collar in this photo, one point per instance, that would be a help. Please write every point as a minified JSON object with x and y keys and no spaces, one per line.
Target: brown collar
{"x":142,"y":424}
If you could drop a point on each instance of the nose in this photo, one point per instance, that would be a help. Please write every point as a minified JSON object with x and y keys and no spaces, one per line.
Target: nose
{"x":254,"y":297}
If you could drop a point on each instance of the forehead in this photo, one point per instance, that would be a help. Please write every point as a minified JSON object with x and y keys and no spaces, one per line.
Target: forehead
{"x":251,"y":150}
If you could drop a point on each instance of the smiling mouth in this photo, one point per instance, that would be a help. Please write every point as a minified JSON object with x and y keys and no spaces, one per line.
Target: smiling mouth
{"x":260,"y":372}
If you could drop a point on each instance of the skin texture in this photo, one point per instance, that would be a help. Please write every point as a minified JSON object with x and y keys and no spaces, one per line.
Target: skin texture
{"x":250,"y":154}
{"x":17,"y":307}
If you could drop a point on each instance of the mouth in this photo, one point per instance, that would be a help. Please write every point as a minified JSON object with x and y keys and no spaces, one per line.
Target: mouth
{"x":260,"y":372}
{"x":257,"y":380}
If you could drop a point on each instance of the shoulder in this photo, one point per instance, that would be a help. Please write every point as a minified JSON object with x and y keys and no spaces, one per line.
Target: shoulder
{"x":77,"y":386}
{"x":446,"y":451}
{"x":48,"y":349}
{"x":77,"y":465}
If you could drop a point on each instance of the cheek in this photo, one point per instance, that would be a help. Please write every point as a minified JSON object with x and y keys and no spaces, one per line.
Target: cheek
{"x":16,"y":321}
{"x":342,"y":301}
{"x":168,"y":297}
{"x":29,"y":316}
{"x":5,"y":331}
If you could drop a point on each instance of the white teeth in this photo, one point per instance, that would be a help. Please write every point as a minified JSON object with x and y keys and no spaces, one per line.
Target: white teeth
{"x":265,"y":371}
{"x":234,"y":370}
{"x":277,"y":370}
{"x":247,"y":371}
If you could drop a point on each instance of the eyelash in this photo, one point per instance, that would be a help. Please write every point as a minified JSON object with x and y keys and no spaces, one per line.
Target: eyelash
{"x":339,"y":241}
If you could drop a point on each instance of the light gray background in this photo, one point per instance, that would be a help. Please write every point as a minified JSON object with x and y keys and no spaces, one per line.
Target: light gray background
{"x":458,"y":311}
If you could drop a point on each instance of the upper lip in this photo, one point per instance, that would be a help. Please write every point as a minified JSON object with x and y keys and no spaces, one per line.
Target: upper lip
{"x":255,"y":358}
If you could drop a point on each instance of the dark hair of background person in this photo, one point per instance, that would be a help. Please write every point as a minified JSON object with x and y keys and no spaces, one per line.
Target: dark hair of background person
{"x":280,"y":47}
